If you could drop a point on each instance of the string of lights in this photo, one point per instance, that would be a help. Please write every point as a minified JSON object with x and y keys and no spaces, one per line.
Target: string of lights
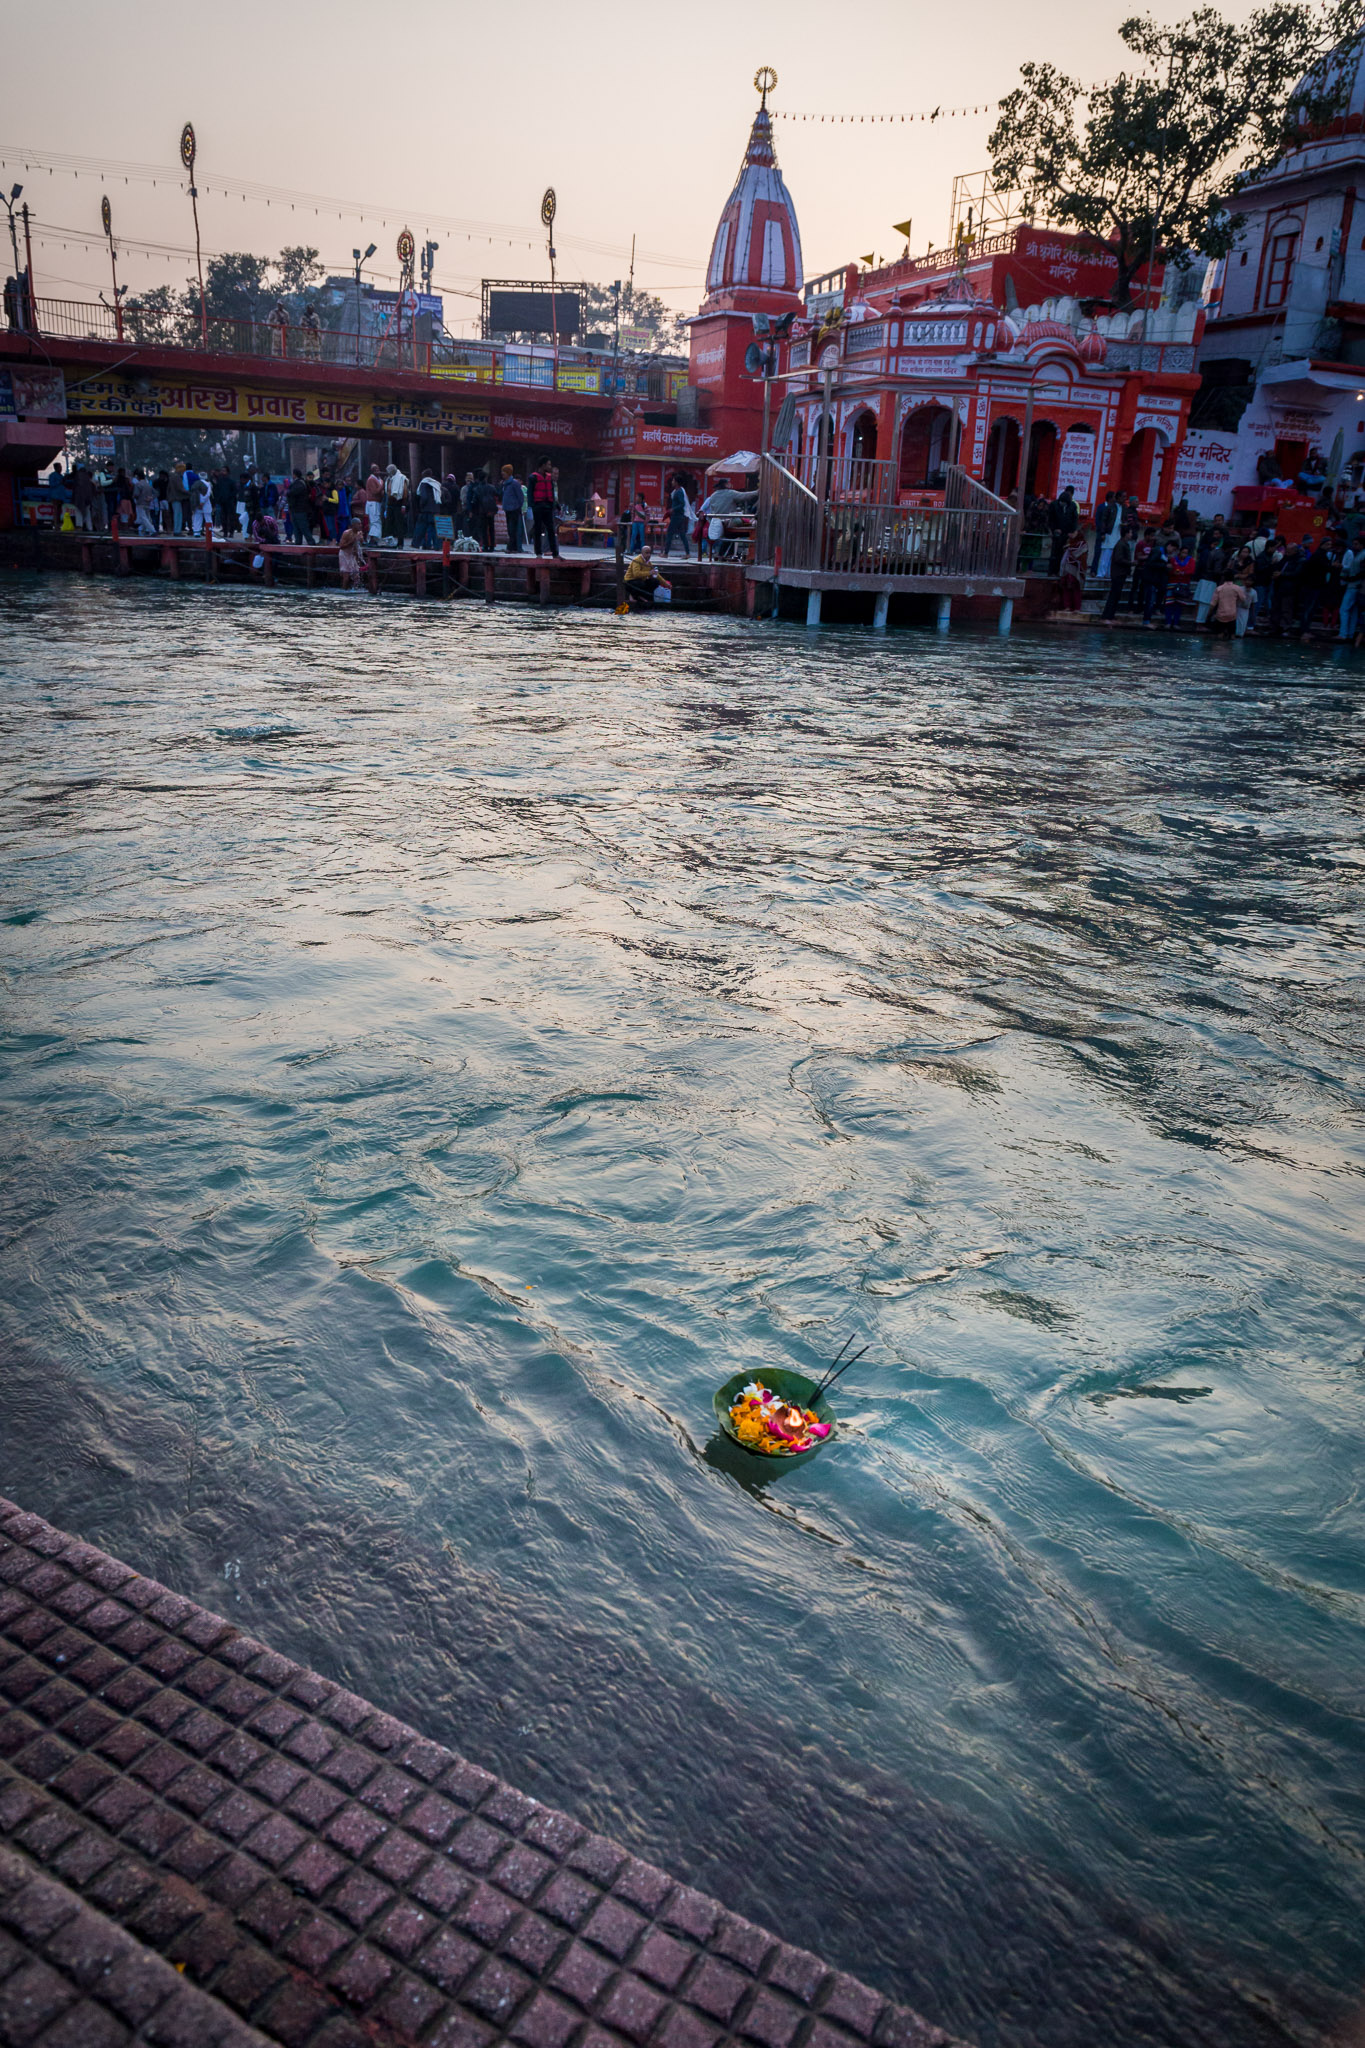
{"x":105,"y":171}
{"x":886,"y":120}
{"x":61,"y":235}
{"x":56,"y":235}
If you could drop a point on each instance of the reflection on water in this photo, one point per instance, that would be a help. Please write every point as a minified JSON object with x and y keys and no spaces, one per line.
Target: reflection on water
{"x":440,"y":1048}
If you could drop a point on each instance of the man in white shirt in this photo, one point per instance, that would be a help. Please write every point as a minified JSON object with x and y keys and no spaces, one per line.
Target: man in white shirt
{"x":144,"y":497}
{"x":395,"y":503}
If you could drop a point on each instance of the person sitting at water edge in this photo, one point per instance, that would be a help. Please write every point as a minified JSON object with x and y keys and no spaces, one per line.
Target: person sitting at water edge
{"x":643,"y":580}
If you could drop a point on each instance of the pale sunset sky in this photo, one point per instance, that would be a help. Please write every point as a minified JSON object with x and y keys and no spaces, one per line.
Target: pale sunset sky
{"x":452,"y":118}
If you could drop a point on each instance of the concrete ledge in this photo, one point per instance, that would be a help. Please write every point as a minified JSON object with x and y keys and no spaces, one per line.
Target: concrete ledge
{"x":910,"y":584}
{"x":321,"y":1871}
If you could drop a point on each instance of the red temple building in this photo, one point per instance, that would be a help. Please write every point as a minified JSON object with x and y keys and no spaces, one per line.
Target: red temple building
{"x":755,"y":267}
{"x":950,"y":357}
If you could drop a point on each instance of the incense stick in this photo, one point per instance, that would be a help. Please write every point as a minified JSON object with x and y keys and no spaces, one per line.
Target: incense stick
{"x":832,"y":1375}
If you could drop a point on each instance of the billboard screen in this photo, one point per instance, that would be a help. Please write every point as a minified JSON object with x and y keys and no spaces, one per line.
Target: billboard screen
{"x":529,"y":313}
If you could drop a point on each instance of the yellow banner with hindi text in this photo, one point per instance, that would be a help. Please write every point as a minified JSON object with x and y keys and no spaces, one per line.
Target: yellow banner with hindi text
{"x":253,"y":409}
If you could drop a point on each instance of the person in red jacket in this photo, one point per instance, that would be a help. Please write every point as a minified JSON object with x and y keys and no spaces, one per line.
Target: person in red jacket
{"x":1178,"y":588}
{"x":543,"y":507}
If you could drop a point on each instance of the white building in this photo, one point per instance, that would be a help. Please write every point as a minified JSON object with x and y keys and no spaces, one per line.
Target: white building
{"x":1283,"y":352}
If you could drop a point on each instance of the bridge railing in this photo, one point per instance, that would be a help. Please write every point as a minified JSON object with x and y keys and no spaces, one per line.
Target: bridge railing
{"x":862,"y":529}
{"x":75,"y":320}
{"x":400,"y":348}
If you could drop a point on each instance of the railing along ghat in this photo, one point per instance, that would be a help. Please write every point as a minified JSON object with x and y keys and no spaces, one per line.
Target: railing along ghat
{"x":860,"y":529}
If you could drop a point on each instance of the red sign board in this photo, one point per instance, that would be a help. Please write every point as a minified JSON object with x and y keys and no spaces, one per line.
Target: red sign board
{"x":516,"y":426}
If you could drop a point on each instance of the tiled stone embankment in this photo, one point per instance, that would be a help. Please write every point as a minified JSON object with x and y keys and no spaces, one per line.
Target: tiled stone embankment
{"x":316,"y":1874}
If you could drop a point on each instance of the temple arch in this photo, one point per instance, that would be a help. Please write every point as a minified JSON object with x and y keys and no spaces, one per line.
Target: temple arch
{"x":1002,"y":456}
{"x":862,"y":436}
{"x":1041,"y":477}
{"x":810,"y":456}
{"x":925,"y":442}
{"x":1142,"y":465}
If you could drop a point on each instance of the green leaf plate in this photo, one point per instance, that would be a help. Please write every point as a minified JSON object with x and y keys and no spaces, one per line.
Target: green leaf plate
{"x":791,"y":1386}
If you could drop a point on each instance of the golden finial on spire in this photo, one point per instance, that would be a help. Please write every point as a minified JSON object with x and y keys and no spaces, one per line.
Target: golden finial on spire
{"x":765,"y":81}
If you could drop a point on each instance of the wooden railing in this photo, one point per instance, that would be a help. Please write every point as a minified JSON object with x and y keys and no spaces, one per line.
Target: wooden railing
{"x":788,"y":531}
{"x":861,"y":528}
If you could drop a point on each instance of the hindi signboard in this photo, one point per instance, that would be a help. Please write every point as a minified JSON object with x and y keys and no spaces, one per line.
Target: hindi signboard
{"x":254,"y":409}
{"x":1076,"y":465}
{"x":1204,"y":471}
{"x":36,"y":394}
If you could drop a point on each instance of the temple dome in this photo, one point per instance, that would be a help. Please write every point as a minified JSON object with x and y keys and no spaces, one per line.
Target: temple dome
{"x":757,"y":244}
{"x":1342,"y":71}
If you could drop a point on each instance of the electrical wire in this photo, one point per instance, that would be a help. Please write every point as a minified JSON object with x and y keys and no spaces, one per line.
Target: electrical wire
{"x":859,"y":120}
{"x":16,"y":155}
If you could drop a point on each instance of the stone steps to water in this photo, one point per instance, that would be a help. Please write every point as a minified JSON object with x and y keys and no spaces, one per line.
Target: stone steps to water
{"x":204,"y":1845}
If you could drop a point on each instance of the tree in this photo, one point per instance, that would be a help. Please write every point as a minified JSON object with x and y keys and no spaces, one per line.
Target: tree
{"x":297,"y":272}
{"x":153,"y":315}
{"x":236,"y":287}
{"x":639,"y":309}
{"x":1153,"y":165}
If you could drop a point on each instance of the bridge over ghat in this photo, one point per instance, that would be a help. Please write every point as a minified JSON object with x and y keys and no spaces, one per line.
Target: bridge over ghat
{"x":436,"y":403}
{"x":424,"y":402}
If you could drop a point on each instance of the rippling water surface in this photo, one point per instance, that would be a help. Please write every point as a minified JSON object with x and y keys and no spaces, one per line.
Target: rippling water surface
{"x":440,"y":1044}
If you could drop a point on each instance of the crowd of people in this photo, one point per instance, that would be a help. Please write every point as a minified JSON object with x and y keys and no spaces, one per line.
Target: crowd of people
{"x":316,"y":507}
{"x":183,"y":499}
{"x":388,"y":508}
{"x":1261,"y":581}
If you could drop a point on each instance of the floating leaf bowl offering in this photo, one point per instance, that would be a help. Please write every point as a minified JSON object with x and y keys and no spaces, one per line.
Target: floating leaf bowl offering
{"x":768,"y":1414}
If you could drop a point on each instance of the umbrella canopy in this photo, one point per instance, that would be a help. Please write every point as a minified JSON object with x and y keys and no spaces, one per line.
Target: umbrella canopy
{"x":744,"y":461}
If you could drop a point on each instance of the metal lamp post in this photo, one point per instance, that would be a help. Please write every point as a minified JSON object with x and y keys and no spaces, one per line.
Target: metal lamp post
{"x":407,"y":249}
{"x":28,"y":270}
{"x":361,"y":263}
{"x":107,"y":221}
{"x":547,"y":214}
{"x":429,"y":249}
{"x":24,"y":317}
{"x":15,"y":192}
{"x":188,"y":148}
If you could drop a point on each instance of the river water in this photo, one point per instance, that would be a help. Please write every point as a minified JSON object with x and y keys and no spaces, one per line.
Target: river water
{"x":442,"y":1043}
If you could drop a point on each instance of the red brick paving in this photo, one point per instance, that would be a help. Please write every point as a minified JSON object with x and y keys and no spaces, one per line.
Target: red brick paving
{"x":200,"y":1841}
